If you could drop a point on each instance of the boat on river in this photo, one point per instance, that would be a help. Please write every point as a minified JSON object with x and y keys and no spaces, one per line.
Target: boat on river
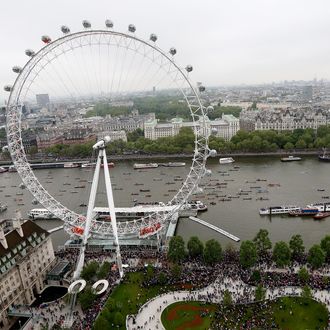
{"x":284,"y":209}
{"x":321,"y":215}
{"x":70,"y":165}
{"x":3,"y":207}
{"x":227,"y":160}
{"x":305,"y":211}
{"x":137,"y":166}
{"x":324,"y":157}
{"x":40,"y":214}
{"x":290,"y":159}
{"x":173,"y":164}
{"x":322,"y":207}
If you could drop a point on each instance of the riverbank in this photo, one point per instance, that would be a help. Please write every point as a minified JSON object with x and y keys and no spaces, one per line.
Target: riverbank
{"x":278,"y":153}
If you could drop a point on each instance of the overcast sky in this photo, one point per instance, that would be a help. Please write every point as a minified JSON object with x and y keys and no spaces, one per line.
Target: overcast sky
{"x":227,"y":42}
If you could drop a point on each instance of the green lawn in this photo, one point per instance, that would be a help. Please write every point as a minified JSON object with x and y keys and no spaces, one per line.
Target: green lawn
{"x":188,"y":315}
{"x":300,"y":313}
{"x":288,"y":313}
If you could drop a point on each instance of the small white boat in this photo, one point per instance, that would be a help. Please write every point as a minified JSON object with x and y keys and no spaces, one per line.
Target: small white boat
{"x":71,"y":165}
{"x":3,"y":207}
{"x":227,"y":160}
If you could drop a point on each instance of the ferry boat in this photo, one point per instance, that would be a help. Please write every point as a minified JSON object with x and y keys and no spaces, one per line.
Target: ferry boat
{"x":322,"y":207}
{"x":324,"y":157}
{"x":290,"y":159}
{"x":70,"y":165}
{"x":304,"y":212}
{"x":227,"y":160}
{"x":137,"y":166}
{"x":40,"y":214}
{"x":3,"y":207}
{"x":278,"y":209}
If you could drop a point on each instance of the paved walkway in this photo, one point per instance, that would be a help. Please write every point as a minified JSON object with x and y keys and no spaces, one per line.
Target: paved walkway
{"x":149,"y":315}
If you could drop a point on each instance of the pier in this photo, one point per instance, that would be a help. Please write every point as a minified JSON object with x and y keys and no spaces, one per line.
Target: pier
{"x":215,"y":228}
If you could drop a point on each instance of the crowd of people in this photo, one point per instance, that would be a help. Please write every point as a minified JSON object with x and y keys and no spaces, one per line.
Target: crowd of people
{"x":226,"y":275}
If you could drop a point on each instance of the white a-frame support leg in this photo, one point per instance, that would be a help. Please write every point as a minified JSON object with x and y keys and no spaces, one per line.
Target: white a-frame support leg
{"x":112,"y":212}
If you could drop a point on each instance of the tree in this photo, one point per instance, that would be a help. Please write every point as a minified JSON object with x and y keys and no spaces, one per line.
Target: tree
{"x":176,"y":271}
{"x":212,"y":251}
{"x":316,"y":256}
{"x":162,"y":278}
{"x":288,"y":146}
{"x":297,"y":246}
{"x":227,"y":299}
{"x":89,"y":271}
{"x":150,"y":272}
{"x":306,"y":292}
{"x":303,"y":275}
{"x":325,"y":245}
{"x":282,"y":254}
{"x":247,"y":254}
{"x":103,"y":271}
{"x":195,"y":247}
{"x":260,"y":293}
{"x":86,"y":298}
{"x":176,"y":251}
{"x":262,"y":242}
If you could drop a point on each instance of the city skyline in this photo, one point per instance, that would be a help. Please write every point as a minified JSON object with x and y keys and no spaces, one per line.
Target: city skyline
{"x":235,"y":43}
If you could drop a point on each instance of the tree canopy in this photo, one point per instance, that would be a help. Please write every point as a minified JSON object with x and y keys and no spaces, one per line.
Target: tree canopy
{"x":212,"y":251}
{"x":247,"y":254}
{"x":195,"y":247}
{"x":316,"y":256}
{"x":262,"y":241}
{"x":282,"y":254}
{"x":176,"y":251}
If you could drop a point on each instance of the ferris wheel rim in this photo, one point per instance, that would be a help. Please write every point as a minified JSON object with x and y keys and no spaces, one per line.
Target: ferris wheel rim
{"x":70,"y":217}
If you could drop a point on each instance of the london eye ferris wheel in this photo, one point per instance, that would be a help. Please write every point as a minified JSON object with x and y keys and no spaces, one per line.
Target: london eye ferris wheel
{"x":102,"y":65}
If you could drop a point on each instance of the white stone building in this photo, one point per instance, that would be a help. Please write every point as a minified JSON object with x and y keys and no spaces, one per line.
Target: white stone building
{"x":114,"y":135}
{"x":26,"y":255}
{"x":284,"y":119}
{"x":226,"y":127}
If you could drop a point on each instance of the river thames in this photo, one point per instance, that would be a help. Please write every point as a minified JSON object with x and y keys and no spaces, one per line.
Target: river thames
{"x":257,"y":178}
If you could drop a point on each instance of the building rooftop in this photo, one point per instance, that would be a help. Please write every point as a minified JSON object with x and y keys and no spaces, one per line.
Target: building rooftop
{"x":18,"y":246}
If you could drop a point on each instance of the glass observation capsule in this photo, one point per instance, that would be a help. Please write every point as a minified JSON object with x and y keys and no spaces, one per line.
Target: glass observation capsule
{"x":173,"y":51}
{"x":17,"y":69}
{"x":189,"y":68}
{"x":109,"y":23}
{"x":131,"y":28}
{"x":29,"y":52}
{"x":153,"y":37}
{"x":7,"y":88}
{"x":65,"y":29}
{"x":86,"y":24}
{"x":46,"y":39}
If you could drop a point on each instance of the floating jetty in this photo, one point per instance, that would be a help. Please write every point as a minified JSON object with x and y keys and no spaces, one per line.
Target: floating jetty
{"x":215,"y":228}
